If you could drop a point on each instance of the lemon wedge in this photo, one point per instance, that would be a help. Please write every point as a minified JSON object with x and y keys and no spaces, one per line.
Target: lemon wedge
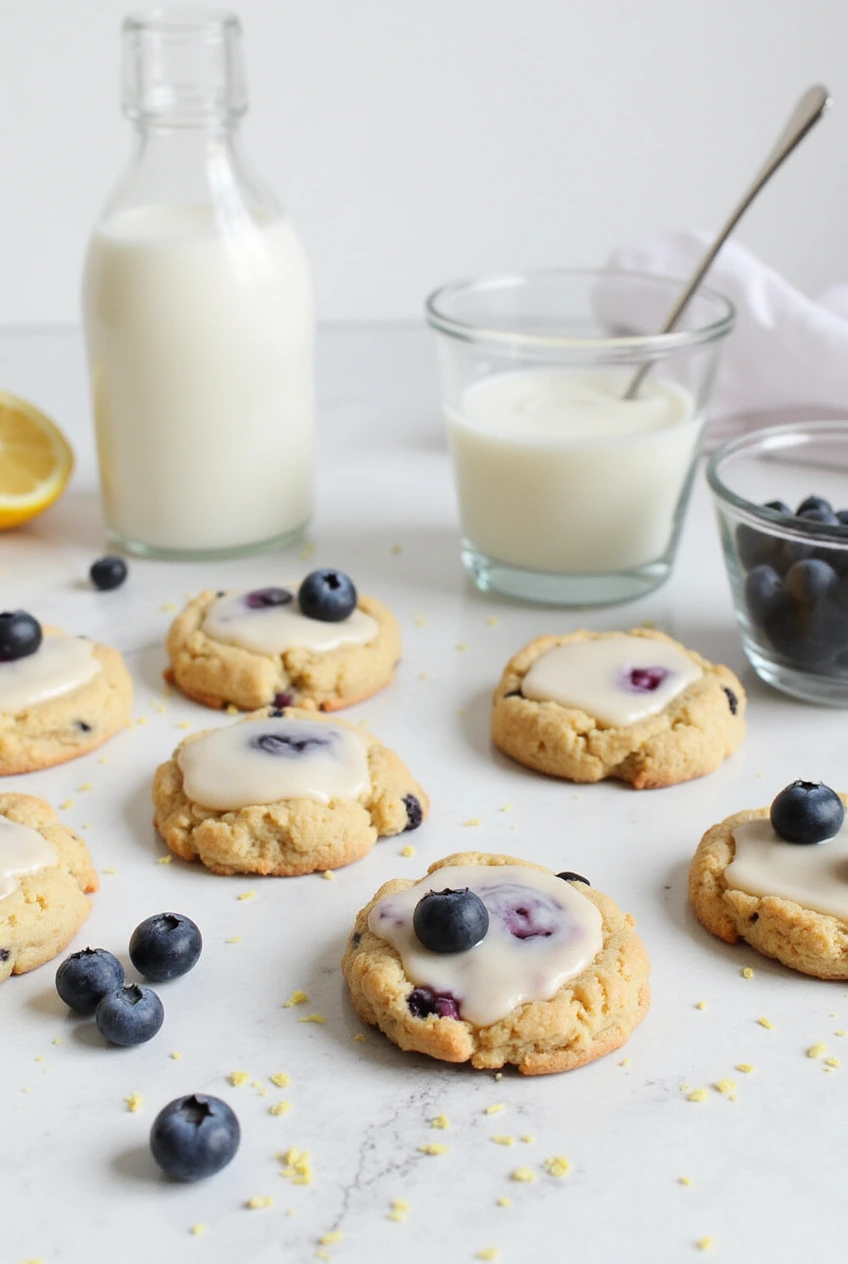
{"x":35,"y":461}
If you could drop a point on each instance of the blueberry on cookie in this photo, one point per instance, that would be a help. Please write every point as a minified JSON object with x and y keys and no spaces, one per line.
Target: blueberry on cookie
{"x":635,"y":705}
{"x":60,"y":695}
{"x":494,"y":961}
{"x":314,"y":644}
{"x":283,"y":792}
{"x":777,"y":877}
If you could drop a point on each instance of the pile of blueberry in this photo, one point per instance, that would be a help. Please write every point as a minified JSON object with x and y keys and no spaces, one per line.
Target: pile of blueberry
{"x":796,"y":592}
{"x":92,"y":981}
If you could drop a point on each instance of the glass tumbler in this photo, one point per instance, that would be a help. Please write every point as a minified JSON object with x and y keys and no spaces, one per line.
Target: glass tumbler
{"x":568,"y":492}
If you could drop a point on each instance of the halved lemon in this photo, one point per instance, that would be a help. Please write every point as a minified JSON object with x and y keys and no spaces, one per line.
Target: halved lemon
{"x":36,"y":461}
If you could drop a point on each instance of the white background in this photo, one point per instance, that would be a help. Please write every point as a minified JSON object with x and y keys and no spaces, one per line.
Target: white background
{"x":416,"y":142}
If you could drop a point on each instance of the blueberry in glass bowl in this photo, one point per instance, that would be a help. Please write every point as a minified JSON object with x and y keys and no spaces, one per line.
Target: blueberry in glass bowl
{"x":781,"y":497}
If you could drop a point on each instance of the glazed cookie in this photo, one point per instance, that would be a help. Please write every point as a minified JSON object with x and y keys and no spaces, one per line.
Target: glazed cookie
{"x":519,"y":966}
{"x":283,"y":792}
{"x":315,"y":645}
{"x":633,"y":705}
{"x":60,"y":695}
{"x":778,"y":878}
{"x":45,"y":874}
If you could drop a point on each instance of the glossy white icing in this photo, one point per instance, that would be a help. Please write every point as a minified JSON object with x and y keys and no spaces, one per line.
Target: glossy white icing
{"x":270,"y":629}
{"x":558,"y":935}
{"x":263,"y":761}
{"x":814,"y":876}
{"x":603,"y":677}
{"x":22,"y":851}
{"x":61,"y":663}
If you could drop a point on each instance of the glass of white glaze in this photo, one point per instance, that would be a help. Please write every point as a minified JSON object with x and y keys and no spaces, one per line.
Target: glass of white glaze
{"x":568,"y":493}
{"x":198,"y":313}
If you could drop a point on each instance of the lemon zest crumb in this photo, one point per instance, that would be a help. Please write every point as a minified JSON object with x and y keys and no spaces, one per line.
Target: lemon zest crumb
{"x":246,"y":895}
{"x":168,"y":607}
{"x":183,"y":724}
{"x":408,"y":851}
{"x":440,"y":1121}
{"x":816,"y":1051}
{"x":280,"y":1079}
{"x":312,"y":1018}
{"x":698,"y":1095}
{"x":434,"y":1149}
{"x":109,"y":871}
{"x":327,"y":1239}
{"x":233,"y":939}
{"x":297,"y":1166}
{"x":164,"y":860}
{"x":506,"y":807}
{"x":684,"y":1180}
{"x":231,"y":710}
{"x":832,"y":1062}
{"x":197,"y":1229}
{"x":238,"y":1078}
{"x":472,"y":820}
{"x":528,"y":1138}
{"x":258,"y":1202}
{"x":279,"y":1108}
{"x":524,"y":1174}
{"x":134,"y":1102}
{"x":744,"y":1067}
{"x":747,"y":973}
{"x":86,"y":785}
{"x":494,"y":1109}
{"x":557,"y":1165}
{"x":328,"y":875}
{"x":68,"y":803}
{"x":625,"y":1062}
{"x":492,"y":620}
{"x":836,"y":1033}
{"x":503,"y":1139}
{"x":764,"y":1022}
{"x":461,"y":646}
{"x":361,"y":1038}
{"x":725,"y":1086}
{"x":488,"y":1253}
{"x":57,"y":1040}
{"x":701,"y":1005}
{"x":705,"y":1244}
{"x":297,"y":998}
{"x":504,"y":1201}
{"x":176,"y":1055}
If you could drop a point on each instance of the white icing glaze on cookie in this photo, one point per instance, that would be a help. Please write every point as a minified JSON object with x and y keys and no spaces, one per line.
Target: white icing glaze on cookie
{"x":619,"y":680}
{"x":556,"y":933}
{"x":263,"y":761}
{"x":22,"y":851}
{"x":813,"y":875}
{"x":274,"y":629}
{"x":61,"y":663}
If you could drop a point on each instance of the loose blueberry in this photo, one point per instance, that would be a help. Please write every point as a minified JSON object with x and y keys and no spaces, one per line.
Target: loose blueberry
{"x":807,"y":812}
{"x":414,"y":814}
{"x":327,"y":595}
{"x":165,"y":946}
{"x":264,"y":598}
{"x":194,"y":1137}
{"x":779,"y":506}
{"x":129,"y":1016}
{"x":763,"y":585}
{"x":568,"y":876}
{"x":423,"y":1001}
{"x":20,"y":635}
{"x":814,"y":502}
{"x":108,"y":573}
{"x":450,"y":921}
{"x":644,"y":679}
{"x":732,"y":700}
{"x":84,"y":978}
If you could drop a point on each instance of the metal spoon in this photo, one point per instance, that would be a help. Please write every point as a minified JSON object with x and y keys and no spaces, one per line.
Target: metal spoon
{"x":806,"y":114}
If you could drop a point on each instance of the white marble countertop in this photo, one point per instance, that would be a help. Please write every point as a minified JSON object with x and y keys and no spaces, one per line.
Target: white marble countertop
{"x":78,"y":1184}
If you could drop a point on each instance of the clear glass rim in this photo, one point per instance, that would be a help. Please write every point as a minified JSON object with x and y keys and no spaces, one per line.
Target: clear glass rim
{"x":181,"y":20}
{"x":645,"y":344}
{"x":775,"y":438}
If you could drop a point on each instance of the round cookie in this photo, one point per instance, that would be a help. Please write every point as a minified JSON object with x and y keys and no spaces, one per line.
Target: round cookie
{"x":811,"y":942}
{"x":690,"y":736}
{"x":288,"y":836}
{"x":69,"y":724}
{"x":45,"y":908}
{"x":218,"y":674}
{"x":591,"y":1014}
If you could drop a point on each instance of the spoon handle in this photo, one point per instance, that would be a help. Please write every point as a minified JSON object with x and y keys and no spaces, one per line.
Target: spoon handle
{"x":806,"y":114}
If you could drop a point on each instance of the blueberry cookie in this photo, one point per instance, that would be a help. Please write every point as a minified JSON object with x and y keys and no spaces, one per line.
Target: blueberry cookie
{"x":494,"y":960}
{"x":633,"y":705}
{"x":778,"y":878}
{"x":45,"y":874}
{"x":60,"y":695}
{"x":315,"y":645}
{"x":283,"y":792}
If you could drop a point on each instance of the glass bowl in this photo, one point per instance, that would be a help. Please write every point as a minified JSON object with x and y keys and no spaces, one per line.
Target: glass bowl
{"x":788,"y":574}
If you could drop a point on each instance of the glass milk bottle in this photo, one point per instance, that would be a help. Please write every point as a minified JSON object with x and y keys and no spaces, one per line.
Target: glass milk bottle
{"x":198,"y":313}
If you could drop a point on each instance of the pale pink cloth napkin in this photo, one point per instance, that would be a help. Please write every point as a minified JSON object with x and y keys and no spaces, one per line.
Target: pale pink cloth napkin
{"x":787,"y":357}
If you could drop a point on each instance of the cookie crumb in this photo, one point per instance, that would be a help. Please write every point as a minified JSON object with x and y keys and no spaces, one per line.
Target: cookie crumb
{"x":523,"y":1174}
{"x":701,"y":1005}
{"x":164,"y":860}
{"x":408,"y":851}
{"x":440,"y":1121}
{"x":297,"y":998}
{"x":558,"y":1165}
{"x":279,"y":1108}
{"x":134,"y":1102}
{"x":684,"y":1180}
{"x":498,"y":1076}
{"x":312,"y":1018}
{"x":744,"y":1067}
{"x":231,"y":710}
{"x":246,"y":895}
{"x":494,"y":1109}
{"x":197,"y":1229}
{"x":705,"y":1244}
{"x":816,"y":1051}
{"x":725,"y":1086}
{"x":764,"y":1022}
{"x":504,"y":1201}
{"x":176,"y":1055}
{"x":433,"y":1149}
{"x":298,"y":1168}
{"x":258,"y":1202}
{"x":747,"y":973}
{"x":327,"y":1239}
{"x":698,"y":1095}
{"x":503,"y":1139}
{"x":328,"y":875}
{"x":832,"y":1063}
{"x":239,"y":1078}
{"x":280,"y":1079}
{"x":472,"y":820}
